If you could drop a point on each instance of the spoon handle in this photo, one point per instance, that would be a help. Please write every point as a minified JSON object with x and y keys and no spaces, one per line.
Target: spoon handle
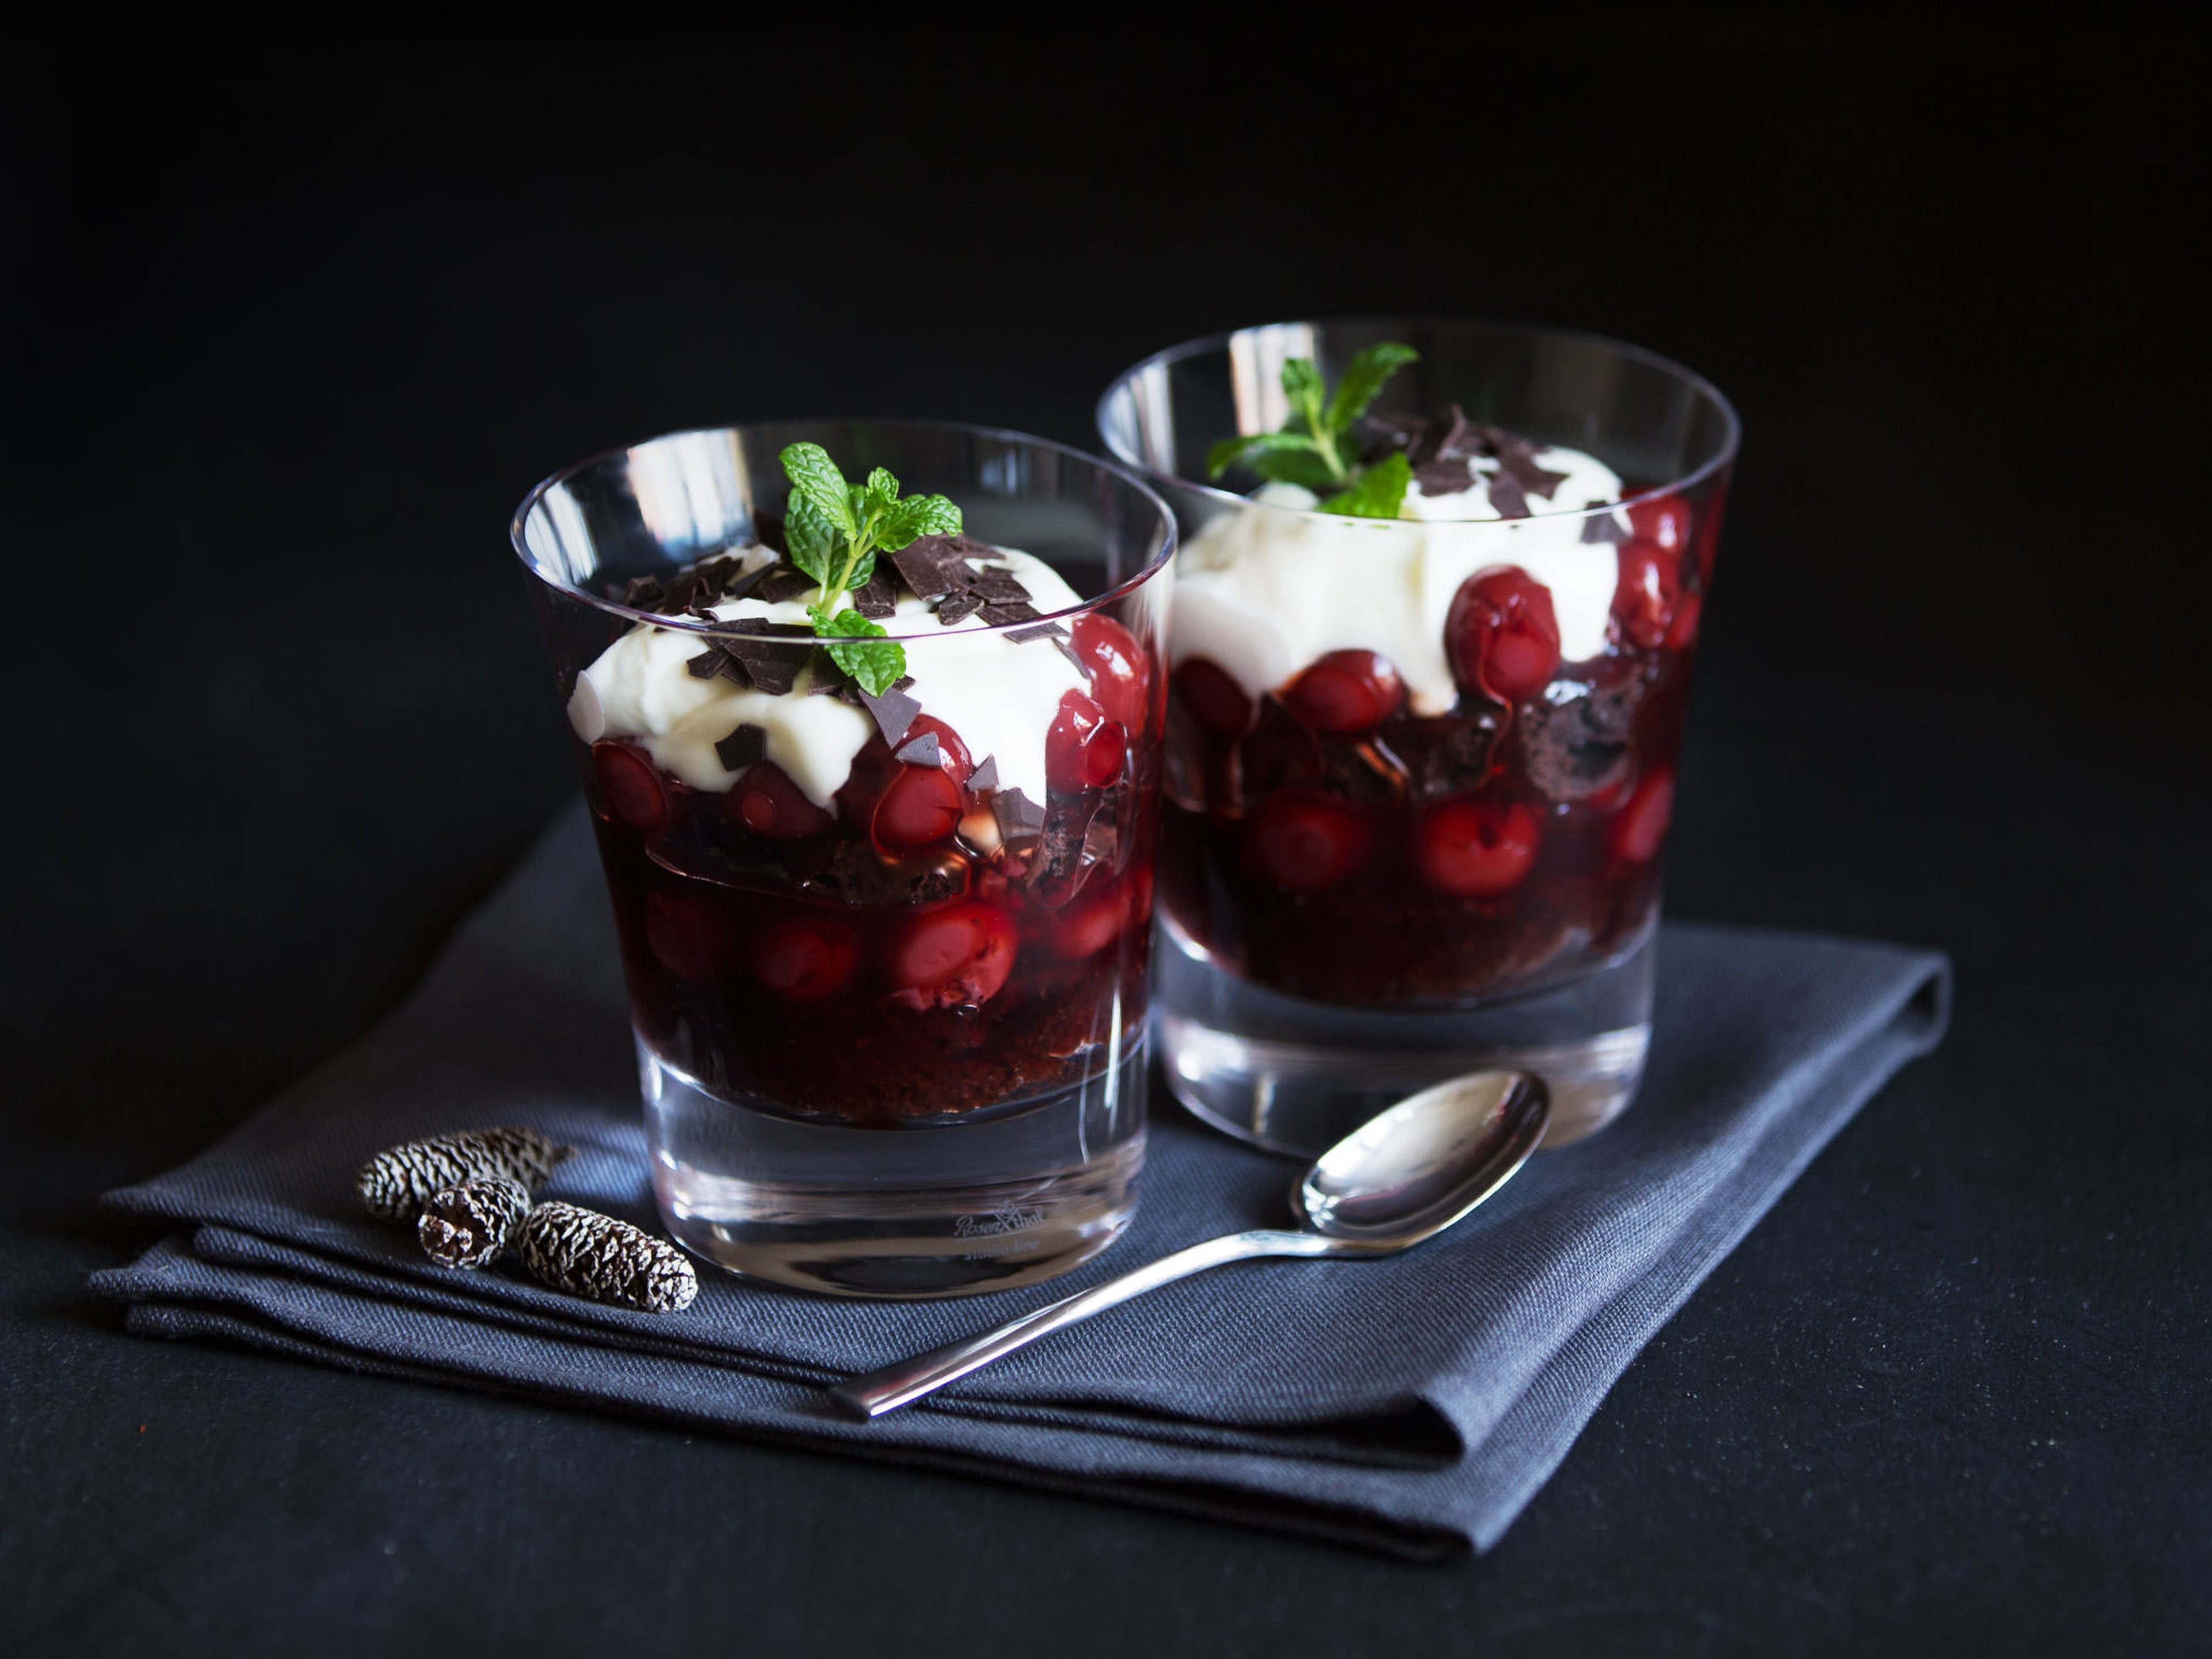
{"x":894,"y":1386}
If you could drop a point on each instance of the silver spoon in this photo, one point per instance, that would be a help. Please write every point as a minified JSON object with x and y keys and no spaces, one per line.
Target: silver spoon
{"x":1397,"y":1180}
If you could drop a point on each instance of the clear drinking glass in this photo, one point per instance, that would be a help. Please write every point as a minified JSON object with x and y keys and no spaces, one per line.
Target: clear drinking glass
{"x":886,"y":956}
{"x":1376,"y":874}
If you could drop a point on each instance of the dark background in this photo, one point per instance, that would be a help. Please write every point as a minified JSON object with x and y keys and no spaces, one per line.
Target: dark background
{"x":295,"y":319}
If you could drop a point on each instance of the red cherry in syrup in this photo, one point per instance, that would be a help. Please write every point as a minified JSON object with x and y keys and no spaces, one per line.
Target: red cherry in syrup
{"x":1084,"y":749}
{"x":1502,"y":633}
{"x":768,"y":803}
{"x":629,"y":785}
{"x":1305,"y":841}
{"x":807,"y":958}
{"x":1649,"y":593}
{"x":1475,"y":849}
{"x":923,"y":805}
{"x":1346,"y":693}
{"x":1085,"y":929}
{"x":1683,"y":633}
{"x":1215,"y":701}
{"x":1663,"y":521}
{"x":1639,"y":829}
{"x":684,"y":937}
{"x":1121,"y":674}
{"x":959,"y":955}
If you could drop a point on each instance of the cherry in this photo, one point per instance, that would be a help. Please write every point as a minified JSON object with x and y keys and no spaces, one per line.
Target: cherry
{"x":807,"y":958}
{"x":1639,"y":829}
{"x":1346,"y":692}
{"x":1215,"y":701}
{"x":768,"y":803}
{"x":1684,"y":632}
{"x":1082,"y":750}
{"x":629,"y":785}
{"x":1305,"y":841}
{"x":1121,"y":674}
{"x":959,"y":955}
{"x":1476,"y":849}
{"x":1664,"y":521}
{"x":1089,"y":929}
{"x":1648,"y":592}
{"x":683,"y":936}
{"x":1502,"y":633}
{"x":922,"y":805}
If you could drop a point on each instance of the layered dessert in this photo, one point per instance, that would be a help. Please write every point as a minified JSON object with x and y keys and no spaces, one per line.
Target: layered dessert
{"x":875,"y":816}
{"x":1428,"y":687}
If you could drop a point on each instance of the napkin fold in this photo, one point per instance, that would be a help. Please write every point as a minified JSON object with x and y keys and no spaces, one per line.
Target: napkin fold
{"x":1412,"y":1404}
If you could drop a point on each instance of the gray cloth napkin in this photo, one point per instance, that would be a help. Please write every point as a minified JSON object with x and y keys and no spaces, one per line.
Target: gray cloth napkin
{"x":1412,"y":1404}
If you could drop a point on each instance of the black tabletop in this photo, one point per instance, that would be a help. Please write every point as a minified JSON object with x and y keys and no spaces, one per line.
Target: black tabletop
{"x":297,"y":319}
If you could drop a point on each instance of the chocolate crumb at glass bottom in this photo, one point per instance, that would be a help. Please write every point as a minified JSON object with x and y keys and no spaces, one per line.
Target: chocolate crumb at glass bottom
{"x":876,"y":790}
{"x":1431,"y":663}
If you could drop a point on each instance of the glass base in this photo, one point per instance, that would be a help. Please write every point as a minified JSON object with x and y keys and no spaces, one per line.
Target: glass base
{"x":1297,"y":1077}
{"x":983,"y":1203}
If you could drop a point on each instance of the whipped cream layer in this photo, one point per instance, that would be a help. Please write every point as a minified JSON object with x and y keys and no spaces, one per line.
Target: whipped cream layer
{"x":1000,"y":695}
{"x":1264,"y":592}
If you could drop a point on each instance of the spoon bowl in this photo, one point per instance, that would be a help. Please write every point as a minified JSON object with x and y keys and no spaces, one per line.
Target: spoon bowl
{"x":1400,"y":1177}
{"x":1413,"y":1170}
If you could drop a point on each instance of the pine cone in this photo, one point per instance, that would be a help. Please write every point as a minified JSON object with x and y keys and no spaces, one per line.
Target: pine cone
{"x":397,"y":1182}
{"x":470,"y":1226}
{"x":590,"y":1255}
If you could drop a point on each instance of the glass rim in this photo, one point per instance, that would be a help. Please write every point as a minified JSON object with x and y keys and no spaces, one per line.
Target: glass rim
{"x":1732,"y":429}
{"x":1162,"y":559}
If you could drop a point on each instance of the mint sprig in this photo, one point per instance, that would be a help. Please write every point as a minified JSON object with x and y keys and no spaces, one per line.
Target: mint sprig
{"x":1379,"y":493}
{"x":833,"y":531}
{"x":1308,"y":449}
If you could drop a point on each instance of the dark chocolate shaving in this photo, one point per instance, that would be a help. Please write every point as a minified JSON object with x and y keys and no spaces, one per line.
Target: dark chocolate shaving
{"x":932,"y":566}
{"x":894,"y":713}
{"x":1603,"y":527}
{"x":774,"y":667}
{"x":874,"y":599}
{"x":707,"y":664}
{"x":784,"y":581}
{"x":985,"y":776}
{"x":1014,"y":610}
{"x":1042,"y":631}
{"x":999,"y":584}
{"x":1019,"y":818}
{"x":827,"y":680}
{"x":761,"y":627}
{"x":957,"y":608}
{"x":921,"y":751}
{"x":743,"y":747}
{"x":1442,"y":448}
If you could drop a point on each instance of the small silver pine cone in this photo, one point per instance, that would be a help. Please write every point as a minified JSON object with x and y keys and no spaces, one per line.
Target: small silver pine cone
{"x":596,"y":1256}
{"x":471,"y":1226}
{"x":398,"y":1182}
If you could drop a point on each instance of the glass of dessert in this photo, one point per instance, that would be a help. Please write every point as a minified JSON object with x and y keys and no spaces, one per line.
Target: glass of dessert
{"x":870,"y":716}
{"x":1437,"y":606}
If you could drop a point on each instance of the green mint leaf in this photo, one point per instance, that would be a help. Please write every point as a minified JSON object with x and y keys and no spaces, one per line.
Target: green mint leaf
{"x":1301,"y":381}
{"x":861,"y":569}
{"x":1363,"y":377}
{"x":1252,"y":448}
{"x":857,"y":645}
{"x":917,"y":516}
{"x":1299,"y":466}
{"x":1379,"y":492}
{"x":815,"y":477}
{"x":810,"y":539}
{"x":883,"y":489}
